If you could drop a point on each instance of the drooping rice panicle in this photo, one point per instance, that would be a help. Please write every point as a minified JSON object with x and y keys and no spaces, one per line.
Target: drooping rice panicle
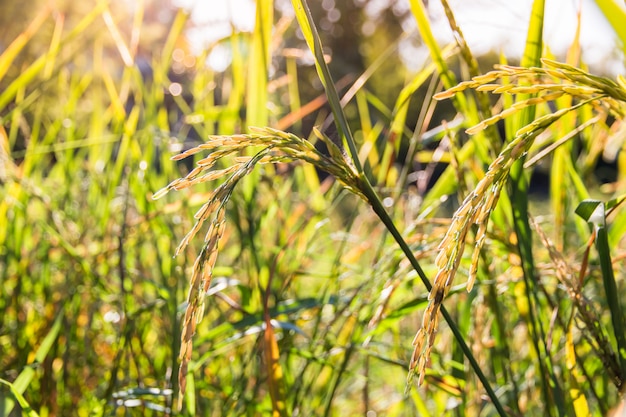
{"x":276,"y":147}
{"x":478,"y":205}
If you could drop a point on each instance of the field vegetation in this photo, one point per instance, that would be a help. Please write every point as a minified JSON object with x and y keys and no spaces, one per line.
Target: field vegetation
{"x":312,"y":230}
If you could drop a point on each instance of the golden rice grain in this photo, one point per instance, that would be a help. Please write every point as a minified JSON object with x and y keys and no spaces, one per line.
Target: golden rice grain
{"x":276,"y":146}
{"x":479,"y":204}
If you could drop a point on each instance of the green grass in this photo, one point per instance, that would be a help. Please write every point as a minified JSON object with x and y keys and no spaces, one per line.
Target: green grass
{"x":306,"y":294}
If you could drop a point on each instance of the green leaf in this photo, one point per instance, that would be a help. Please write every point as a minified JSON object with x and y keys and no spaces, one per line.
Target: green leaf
{"x":593,"y":212}
{"x":307,"y":25}
{"x":614,"y":202}
{"x":26,"y":410}
{"x":259,"y":64}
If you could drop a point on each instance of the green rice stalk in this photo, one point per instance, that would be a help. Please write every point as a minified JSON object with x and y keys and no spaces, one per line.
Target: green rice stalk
{"x":364,"y":187}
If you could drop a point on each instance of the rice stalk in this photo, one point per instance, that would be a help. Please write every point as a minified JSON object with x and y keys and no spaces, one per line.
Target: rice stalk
{"x":478,"y":205}
{"x":275,"y":147}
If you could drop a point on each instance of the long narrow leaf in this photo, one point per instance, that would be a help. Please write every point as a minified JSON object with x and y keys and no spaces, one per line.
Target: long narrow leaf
{"x":274,"y":370}
{"x":259,"y":64}
{"x":10,"y":53}
{"x":305,"y":20}
{"x":616,"y":15}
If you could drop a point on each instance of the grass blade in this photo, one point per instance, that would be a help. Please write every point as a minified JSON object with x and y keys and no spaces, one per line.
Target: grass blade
{"x":419,"y":12}
{"x":13,"y":50}
{"x":274,"y":370}
{"x":616,"y":15}
{"x":26,"y":409}
{"x":305,"y":20}
{"x":257,"y":111}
